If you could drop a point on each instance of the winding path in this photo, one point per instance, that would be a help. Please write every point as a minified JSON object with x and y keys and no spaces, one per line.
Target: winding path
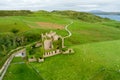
{"x":69,"y":34}
{"x":66,"y":28}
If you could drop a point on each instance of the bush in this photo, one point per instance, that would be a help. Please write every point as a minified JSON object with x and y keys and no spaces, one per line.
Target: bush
{"x":14,"y":31}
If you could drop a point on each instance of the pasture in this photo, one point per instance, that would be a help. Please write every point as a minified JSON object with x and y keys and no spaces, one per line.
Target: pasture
{"x":9,"y":23}
{"x":95,"y":61}
{"x":19,"y":70}
{"x":96,"y":45}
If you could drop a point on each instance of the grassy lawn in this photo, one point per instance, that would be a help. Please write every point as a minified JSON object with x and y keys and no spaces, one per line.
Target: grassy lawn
{"x":83,"y":32}
{"x":97,"y":61}
{"x":21,"y":71}
{"x":17,"y":59}
{"x":96,"y":45}
{"x":91,"y":32}
{"x":9,"y":23}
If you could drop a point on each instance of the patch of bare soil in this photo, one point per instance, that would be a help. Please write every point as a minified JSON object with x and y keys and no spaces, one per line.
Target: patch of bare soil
{"x":50,"y":25}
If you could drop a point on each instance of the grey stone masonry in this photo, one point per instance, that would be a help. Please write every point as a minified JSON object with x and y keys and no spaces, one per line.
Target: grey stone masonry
{"x":51,"y":53}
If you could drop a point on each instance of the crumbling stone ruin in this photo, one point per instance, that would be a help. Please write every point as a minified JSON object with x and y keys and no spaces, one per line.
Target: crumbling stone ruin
{"x":49,"y":38}
{"x":50,"y":45}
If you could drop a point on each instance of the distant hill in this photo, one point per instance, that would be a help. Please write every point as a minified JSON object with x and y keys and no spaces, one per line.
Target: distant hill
{"x":14,"y":12}
{"x":104,"y":13}
{"x":83,"y":16}
{"x":96,"y":11}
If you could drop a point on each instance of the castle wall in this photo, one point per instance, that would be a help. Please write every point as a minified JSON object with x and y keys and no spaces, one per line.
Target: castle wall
{"x":48,"y":44}
{"x":51,"y":53}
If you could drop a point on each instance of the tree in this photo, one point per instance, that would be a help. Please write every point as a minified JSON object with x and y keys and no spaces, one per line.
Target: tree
{"x":15,"y":31}
{"x":4,"y":50}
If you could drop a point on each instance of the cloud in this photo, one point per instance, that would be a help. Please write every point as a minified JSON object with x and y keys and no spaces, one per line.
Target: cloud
{"x":79,"y":5}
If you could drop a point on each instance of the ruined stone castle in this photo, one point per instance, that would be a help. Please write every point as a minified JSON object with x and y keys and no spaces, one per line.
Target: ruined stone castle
{"x":52,"y":44}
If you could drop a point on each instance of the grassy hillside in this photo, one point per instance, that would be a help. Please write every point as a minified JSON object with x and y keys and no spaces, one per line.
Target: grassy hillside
{"x":9,"y":23}
{"x":91,"y":61}
{"x":84,"y":32}
{"x":83,"y":16}
{"x":19,"y":70}
{"x":97,"y":61}
{"x":14,"y":12}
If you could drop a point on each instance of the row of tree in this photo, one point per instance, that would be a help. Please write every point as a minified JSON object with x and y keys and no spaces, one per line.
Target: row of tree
{"x":11,"y":40}
{"x":14,"y":12}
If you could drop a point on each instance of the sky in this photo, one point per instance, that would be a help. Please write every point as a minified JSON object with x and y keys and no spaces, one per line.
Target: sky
{"x":49,"y":5}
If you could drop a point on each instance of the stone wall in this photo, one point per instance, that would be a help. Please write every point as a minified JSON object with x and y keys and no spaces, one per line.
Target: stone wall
{"x":69,"y":51}
{"x":48,"y":44}
{"x":51,"y":53}
{"x":40,"y":60}
{"x":48,"y":40}
{"x":32,"y":59}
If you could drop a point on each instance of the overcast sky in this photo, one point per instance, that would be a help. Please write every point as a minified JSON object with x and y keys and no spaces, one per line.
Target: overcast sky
{"x":79,"y":5}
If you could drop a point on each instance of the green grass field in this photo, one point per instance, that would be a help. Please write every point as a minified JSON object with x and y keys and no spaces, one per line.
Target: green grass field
{"x":90,"y":62}
{"x":88,"y":32}
{"x":9,"y":23}
{"x":21,"y":71}
{"x":96,"y":45}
